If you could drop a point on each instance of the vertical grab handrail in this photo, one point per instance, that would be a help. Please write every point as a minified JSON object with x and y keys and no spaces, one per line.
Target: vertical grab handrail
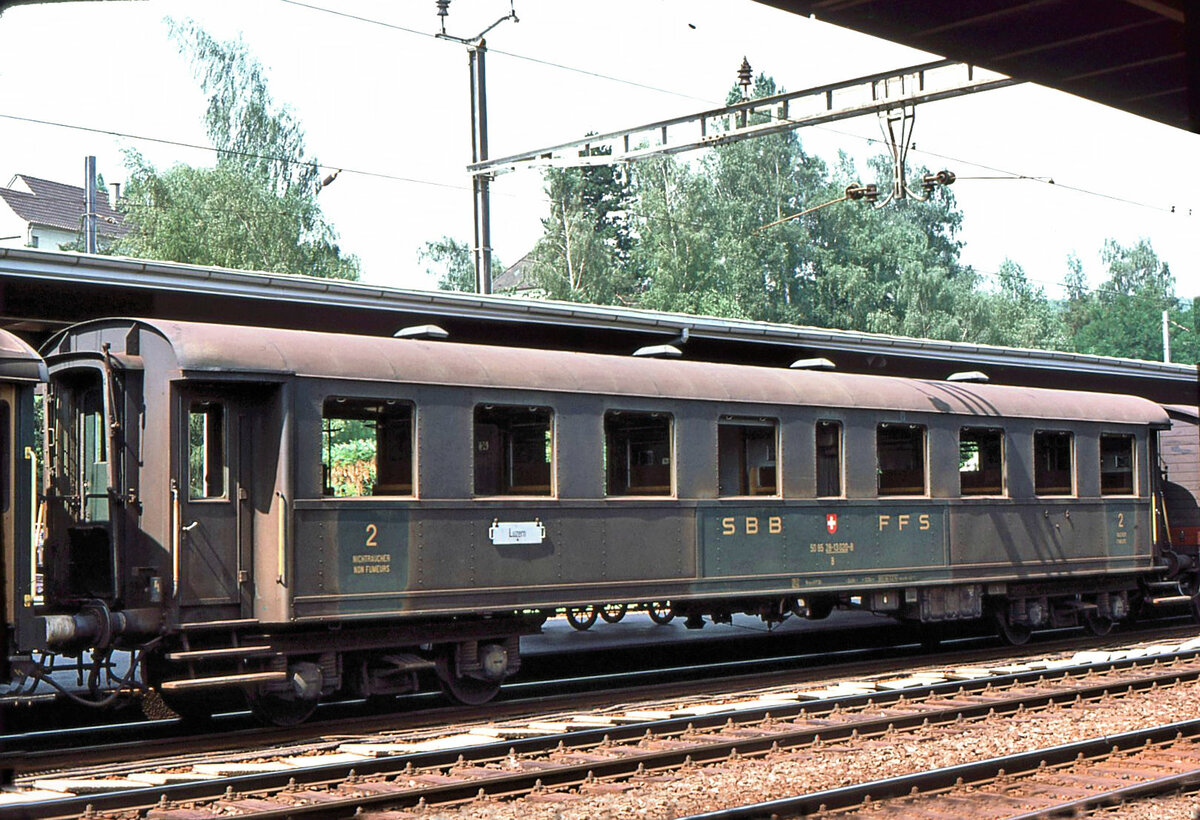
{"x":279,"y":578}
{"x":176,"y":537}
{"x":35,"y":521}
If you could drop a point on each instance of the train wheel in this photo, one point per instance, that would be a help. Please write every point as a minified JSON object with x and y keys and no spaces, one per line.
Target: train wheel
{"x":611,"y":613}
{"x":272,"y":709}
{"x":817,"y":608}
{"x":1098,"y":625}
{"x":1012,"y":634}
{"x":661,"y":614}
{"x":581,"y":618}
{"x":469,"y":691}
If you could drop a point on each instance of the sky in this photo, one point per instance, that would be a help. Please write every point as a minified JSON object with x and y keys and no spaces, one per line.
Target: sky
{"x":384,"y":100}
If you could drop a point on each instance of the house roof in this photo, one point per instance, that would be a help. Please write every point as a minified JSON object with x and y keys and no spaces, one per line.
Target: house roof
{"x":515,"y":278}
{"x":56,"y":205}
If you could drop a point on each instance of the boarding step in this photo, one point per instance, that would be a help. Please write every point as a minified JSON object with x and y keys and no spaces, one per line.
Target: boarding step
{"x":248,"y":679}
{"x":1161,"y":586}
{"x":222,"y":653}
{"x":1170,"y":600}
{"x":213,"y":626}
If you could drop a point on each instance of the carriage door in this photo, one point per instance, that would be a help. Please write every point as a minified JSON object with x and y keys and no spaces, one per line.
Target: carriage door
{"x":216,"y":507}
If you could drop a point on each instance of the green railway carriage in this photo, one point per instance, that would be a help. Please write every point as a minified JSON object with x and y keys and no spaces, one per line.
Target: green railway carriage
{"x":21,"y":370}
{"x":293,"y":513}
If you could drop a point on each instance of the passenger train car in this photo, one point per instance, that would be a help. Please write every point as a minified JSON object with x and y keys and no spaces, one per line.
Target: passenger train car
{"x":21,"y":370}
{"x":293,"y":514}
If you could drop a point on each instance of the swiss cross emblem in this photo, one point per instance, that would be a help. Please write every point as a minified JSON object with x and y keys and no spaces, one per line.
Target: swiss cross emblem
{"x":831,"y":523}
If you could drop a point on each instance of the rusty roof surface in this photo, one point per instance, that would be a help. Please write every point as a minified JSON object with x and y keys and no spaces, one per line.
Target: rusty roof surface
{"x":209,"y":348}
{"x":19,"y":361}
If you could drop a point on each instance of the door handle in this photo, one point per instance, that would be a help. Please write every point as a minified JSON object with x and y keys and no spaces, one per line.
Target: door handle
{"x":190,"y":527}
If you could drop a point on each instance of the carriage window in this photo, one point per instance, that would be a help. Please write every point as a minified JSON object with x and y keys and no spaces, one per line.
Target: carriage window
{"x":366,"y":447}
{"x":206,"y":450}
{"x":1116,"y":465}
{"x":829,"y":458}
{"x":746,"y":463}
{"x":901,"y":453}
{"x":514,"y":450}
{"x":981,"y":461}
{"x":1052,"y":463}
{"x":637,"y":453}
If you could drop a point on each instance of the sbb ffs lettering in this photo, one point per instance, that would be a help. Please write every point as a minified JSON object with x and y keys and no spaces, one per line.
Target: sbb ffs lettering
{"x":903,"y":522}
{"x":752,"y":525}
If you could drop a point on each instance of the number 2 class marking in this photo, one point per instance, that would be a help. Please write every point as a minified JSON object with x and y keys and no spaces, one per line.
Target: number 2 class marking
{"x":1120,"y":519}
{"x":372,"y":532}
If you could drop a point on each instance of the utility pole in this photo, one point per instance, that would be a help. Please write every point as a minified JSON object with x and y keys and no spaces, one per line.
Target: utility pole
{"x":1166,"y":328}
{"x":480,"y":183}
{"x":89,"y":205}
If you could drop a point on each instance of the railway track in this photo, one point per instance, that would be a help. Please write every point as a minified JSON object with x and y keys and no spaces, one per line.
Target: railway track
{"x":124,"y":743}
{"x":606,"y":754}
{"x":1059,"y":781}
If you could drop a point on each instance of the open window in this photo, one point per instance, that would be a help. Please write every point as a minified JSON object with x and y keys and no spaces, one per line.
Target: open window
{"x":206,"y":450}
{"x":829,"y":458}
{"x":1053,"y":471}
{"x":901,"y":452}
{"x":637,"y":453}
{"x":746,"y":457}
{"x":1116,"y":464}
{"x":981,"y":461}
{"x":514,"y":450}
{"x":366,"y":447}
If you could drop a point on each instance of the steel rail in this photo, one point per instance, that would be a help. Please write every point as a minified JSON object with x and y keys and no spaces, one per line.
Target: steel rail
{"x":23,"y":754}
{"x":30,"y":753}
{"x":966,"y":702}
{"x":977,"y":772}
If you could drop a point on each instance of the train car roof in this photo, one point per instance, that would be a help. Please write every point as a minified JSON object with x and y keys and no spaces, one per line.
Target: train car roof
{"x":19,"y":361}
{"x":202,"y":350}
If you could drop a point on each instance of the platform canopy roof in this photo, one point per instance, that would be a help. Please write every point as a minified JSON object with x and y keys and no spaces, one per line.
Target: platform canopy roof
{"x":44,"y":291}
{"x":1141,"y":56}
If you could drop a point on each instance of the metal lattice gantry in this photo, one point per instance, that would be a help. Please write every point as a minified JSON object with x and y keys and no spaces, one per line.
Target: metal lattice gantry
{"x":873,"y":94}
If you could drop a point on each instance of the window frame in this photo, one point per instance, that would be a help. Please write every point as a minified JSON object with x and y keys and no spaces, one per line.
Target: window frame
{"x":1133,"y":464}
{"x":759,"y":422}
{"x":551,"y":427}
{"x":413,"y":448}
{"x":924,"y":429}
{"x":1003,"y":493}
{"x":672,"y":435}
{"x":1073,"y":492}
{"x":841,"y":458}
{"x":225,"y":496}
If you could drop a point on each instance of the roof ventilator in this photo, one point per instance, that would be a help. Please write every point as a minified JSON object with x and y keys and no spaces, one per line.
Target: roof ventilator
{"x":421,"y":332}
{"x":977,"y":376}
{"x":666,"y":350}
{"x":659,"y":352}
{"x":818,"y":363}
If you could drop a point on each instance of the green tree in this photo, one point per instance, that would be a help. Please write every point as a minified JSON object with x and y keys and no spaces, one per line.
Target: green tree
{"x":257,"y":209}
{"x":758,"y":183}
{"x":585,"y":251}
{"x":1019,"y":313}
{"x":453,"y":264}
{"x":684,"y":271}
{"x":893,"y":269}
{"x":1123,"y":317}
